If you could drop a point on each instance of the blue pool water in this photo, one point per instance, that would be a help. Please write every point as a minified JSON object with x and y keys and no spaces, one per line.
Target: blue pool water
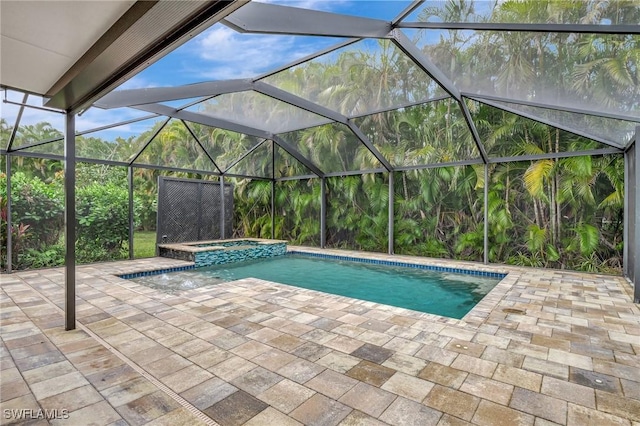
{"x":441,"y":293}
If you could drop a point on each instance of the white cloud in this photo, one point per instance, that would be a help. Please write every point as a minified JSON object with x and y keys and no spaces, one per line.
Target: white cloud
{"x":136,"y":82}
{"x":91,"y":119}
{"x":325,"y":5}
{"x":30,"y":116}
{"x":96,"y":117}
{"x":220,"y":53}
{"x":227,"y":54}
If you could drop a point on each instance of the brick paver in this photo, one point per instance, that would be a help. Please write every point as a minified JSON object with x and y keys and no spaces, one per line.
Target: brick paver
{"x":543,"y":347}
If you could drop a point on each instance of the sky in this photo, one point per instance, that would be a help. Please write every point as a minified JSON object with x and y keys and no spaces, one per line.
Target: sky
{"x":218,"y":53}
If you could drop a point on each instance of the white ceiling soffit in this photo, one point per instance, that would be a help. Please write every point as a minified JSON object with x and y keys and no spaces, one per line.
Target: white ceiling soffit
{"x":136,"y":34}
{"x":41,"y":40}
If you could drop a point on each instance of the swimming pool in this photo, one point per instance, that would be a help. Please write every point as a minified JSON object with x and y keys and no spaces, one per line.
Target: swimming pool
{"x":442,"y":293}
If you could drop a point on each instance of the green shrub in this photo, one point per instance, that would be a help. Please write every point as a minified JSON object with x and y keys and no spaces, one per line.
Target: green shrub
{"x":37,"y":204}
{"x":47,"y":258}
{"x":102,"y":220}
{"x":37,"y":213}
{"x":145,"y":208}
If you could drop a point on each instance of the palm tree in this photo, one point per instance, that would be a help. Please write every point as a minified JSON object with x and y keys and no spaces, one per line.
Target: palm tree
{"x":608,"y":71}
{"x":5,"y":132}
{"x":298,"y":211}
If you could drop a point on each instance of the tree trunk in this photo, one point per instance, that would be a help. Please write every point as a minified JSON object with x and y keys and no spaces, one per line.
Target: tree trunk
{"x":537,"y":213}
{"x":552,"y":211}
{"x":506,"y":193}
{"x":404,"y":186}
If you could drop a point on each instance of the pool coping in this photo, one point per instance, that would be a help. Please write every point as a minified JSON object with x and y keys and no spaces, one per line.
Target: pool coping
{"x":193,"y":246}
{"x":476,"y":315}
{"x":488,"y":274}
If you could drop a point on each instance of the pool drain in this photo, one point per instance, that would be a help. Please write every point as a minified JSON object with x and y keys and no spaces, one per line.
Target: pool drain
{"x":513,"y":311}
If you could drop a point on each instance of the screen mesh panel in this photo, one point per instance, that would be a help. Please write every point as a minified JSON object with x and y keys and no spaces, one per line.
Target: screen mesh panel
{"x":358,"y":212}
{"x":145,"y":203}
{"x":95,"y":117}
{"x":531,"y":12}
{"x":102,"y":213}
{"x":608,"y":129}
{"x":363,"y":77}
{"x":8,"y":115}
{"x":54,"y":148}
{"x":228,"y":54}
{"x":595,"y":72}
{"x":35,"y":128}
{"x":287,"y":166}
{"x":36,"y":125}
{"x":332,"y":148}
{"x":439,"y":212}
{"x":564,"y":213}
{"x":224,"y":146}
{"x":505,"y":134}
{"x":252,"y":208}
{"x":256,"y":110}
{"x":37,"y":215}
{"x":435,"y":132}
{"x":175,"y":147}
{"x":258,"y":163}
{"x":298,"y":211}
{"x":120,"y":143}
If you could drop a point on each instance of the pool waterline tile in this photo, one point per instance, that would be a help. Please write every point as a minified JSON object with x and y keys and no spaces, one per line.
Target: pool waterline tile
{"x":490,"y":274}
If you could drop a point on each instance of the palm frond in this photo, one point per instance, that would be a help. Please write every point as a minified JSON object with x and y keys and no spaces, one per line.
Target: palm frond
{"x":536,"y":175}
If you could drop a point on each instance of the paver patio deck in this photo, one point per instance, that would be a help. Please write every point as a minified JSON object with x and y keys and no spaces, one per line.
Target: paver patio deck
{"x":544,"y":347}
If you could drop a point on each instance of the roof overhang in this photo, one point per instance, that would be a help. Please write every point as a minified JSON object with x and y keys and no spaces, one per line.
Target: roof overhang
{"x":41,"y":40}
{"x":75,"y":52}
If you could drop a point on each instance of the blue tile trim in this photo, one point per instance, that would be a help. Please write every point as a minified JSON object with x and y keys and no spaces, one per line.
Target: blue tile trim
{"x":406,"y":265}
{"x":335,"y":257}
{"x":156,"y":272}
{"x":218,"y":257}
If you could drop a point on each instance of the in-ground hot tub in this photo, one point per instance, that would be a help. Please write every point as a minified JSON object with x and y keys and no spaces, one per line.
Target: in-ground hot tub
{"x":217,"y":252}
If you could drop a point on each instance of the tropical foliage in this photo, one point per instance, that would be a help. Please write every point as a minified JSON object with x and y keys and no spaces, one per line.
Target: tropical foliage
{"x":564,"y":213}
{"x":37,"y":213}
